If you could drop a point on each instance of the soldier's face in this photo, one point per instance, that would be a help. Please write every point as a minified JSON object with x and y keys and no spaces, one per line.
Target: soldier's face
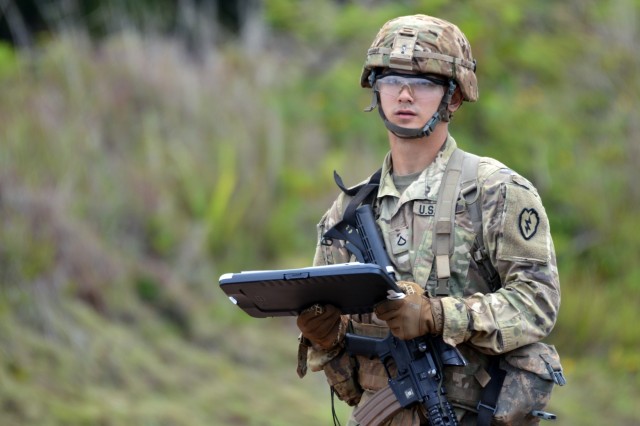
{"x":409,"y":101}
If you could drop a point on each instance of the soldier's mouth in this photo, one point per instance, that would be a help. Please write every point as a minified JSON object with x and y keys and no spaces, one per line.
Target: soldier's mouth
{"x":405,"y":112}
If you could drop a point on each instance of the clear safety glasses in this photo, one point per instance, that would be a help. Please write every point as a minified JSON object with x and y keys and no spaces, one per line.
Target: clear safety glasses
{"x":419,"y":87}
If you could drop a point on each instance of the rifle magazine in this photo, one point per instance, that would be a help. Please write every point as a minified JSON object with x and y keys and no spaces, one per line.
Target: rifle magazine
{"x":378,"y":409}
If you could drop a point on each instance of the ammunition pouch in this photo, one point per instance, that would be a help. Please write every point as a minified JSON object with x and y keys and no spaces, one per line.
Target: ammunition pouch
{"x":531,"y":372}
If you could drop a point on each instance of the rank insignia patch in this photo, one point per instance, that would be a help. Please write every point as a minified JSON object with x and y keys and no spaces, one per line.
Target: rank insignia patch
{"x":528,"y":223}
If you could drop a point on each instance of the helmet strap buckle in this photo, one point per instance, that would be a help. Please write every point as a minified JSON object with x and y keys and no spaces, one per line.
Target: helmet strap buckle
{"x":374,"y":101}
{"x":443,"y":109}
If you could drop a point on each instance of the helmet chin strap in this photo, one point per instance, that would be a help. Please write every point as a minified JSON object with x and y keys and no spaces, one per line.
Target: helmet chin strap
{"x":442,"y":114}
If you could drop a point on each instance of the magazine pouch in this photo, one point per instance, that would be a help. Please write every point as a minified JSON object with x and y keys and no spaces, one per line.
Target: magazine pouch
{"x":531,"y":372}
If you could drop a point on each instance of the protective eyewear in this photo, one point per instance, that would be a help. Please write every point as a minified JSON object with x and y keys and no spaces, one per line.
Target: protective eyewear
{"x":419,"y":87}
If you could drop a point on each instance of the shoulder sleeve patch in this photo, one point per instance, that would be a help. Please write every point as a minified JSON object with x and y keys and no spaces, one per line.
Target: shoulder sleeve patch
{"x":525,"y":227}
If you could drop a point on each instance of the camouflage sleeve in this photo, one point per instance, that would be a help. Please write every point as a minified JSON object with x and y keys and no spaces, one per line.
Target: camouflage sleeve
{"x":518,"y":239}
{"x":329,"y":253}
{"x":338,"y":367}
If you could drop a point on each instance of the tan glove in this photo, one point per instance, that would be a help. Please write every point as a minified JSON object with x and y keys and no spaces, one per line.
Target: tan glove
{"x":323,"y":325}
{"x":415,"y":315}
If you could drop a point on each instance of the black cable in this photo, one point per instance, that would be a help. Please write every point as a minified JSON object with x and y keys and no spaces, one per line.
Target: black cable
{"x":336,"y":421}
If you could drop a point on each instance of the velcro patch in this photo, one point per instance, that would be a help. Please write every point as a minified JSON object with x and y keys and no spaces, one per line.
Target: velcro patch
{"x":400,"y":239}
{"x":424,"y":208}
{"x":525,"y":228}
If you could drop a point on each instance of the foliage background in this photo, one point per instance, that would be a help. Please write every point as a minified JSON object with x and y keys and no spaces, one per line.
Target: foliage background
{"x":146,"y":151}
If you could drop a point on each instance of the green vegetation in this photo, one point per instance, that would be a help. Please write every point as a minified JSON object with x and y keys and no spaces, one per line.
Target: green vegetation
{"x":133,"y":172}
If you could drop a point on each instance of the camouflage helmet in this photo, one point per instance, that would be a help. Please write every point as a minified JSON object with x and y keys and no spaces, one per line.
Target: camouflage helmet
{"x":424,"y":45}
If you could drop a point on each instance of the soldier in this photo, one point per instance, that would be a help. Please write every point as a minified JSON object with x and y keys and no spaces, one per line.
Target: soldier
{"x":495,"y":295}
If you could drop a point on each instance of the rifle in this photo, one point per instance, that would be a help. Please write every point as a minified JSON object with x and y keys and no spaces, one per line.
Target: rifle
{"x":418,"y":361}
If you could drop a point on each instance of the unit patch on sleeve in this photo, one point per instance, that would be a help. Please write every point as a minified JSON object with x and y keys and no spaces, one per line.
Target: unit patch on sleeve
{"x":528,"y":224}
{"x":525,"y":227}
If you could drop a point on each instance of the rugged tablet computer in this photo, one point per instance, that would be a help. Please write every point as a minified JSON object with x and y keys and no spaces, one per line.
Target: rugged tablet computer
{"x":352,"y":287}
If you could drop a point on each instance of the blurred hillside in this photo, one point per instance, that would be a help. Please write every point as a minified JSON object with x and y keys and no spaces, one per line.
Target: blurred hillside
{"x":141,"y":160}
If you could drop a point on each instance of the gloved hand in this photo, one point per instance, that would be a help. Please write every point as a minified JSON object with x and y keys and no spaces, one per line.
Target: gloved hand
{"x":413,"y":316}
{"x":323,"y":325}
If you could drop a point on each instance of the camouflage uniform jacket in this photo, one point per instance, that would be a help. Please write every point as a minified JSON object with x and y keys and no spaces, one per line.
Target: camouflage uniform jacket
{"x":479,"y":322}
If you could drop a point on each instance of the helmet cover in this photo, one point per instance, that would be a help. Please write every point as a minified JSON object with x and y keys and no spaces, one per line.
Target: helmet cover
{"x":424,"y":45}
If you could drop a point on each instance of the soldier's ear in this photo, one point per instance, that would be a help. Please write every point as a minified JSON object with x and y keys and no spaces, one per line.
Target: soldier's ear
{"x":456,"y":100}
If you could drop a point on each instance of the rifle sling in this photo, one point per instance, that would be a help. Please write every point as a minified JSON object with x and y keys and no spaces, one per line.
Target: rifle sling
{"x":360,"y":194}
{"x":367,"y":192}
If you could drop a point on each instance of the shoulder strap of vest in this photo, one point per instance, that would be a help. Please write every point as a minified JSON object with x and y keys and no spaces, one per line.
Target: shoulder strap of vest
{"x":460,"y":179}
{"x":470,"y":192}
{"x":445,"y":214}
